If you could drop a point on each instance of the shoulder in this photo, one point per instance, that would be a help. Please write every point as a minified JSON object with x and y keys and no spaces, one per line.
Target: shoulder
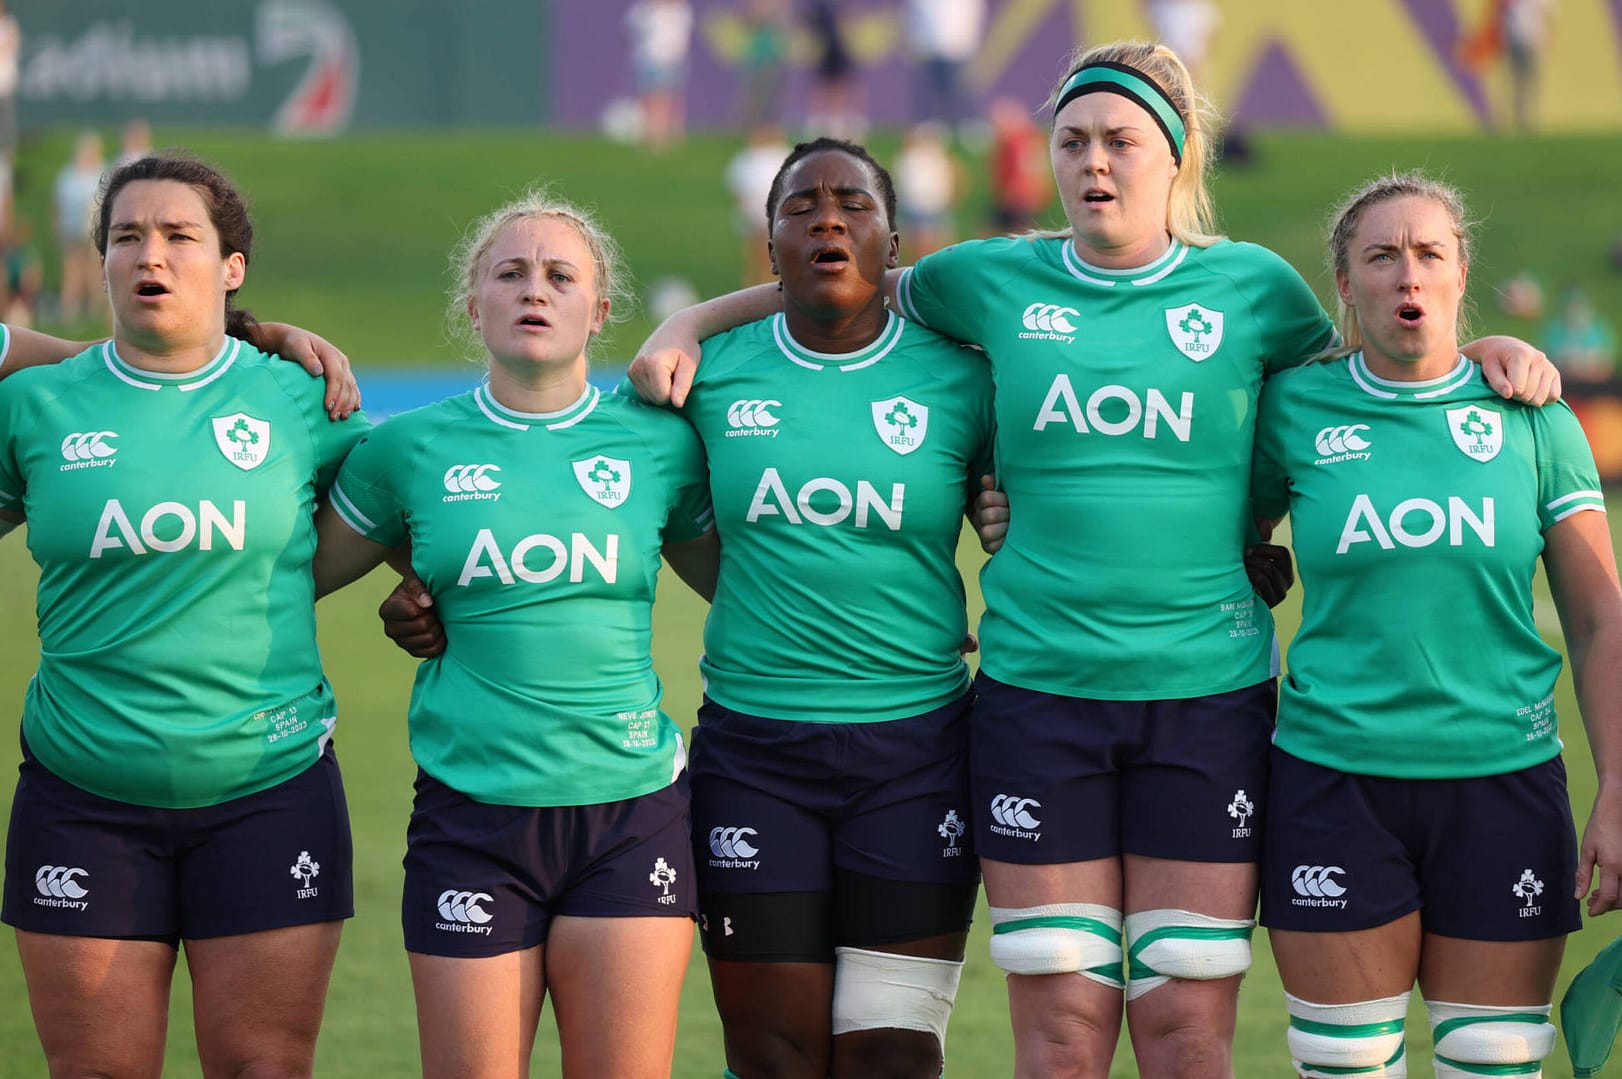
{"x":1300,"y":384}
{"x":48,"y":381}
{"x":651,"y":423}
{"x":1248,"y":263}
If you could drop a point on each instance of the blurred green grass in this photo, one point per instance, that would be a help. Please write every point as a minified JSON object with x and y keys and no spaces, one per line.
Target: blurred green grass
{"x":353,"y":236}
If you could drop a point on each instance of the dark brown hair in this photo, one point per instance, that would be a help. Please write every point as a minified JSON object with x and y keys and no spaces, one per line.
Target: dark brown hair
{"x":226,"y":212}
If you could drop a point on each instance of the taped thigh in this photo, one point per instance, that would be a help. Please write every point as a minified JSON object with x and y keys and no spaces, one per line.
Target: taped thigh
{"x":1167,"y":944}
{"x":1060,"y":938}
{"x":884,"y":991}
{"x":1482,"y":1039}
{"x":1364,"y":1039}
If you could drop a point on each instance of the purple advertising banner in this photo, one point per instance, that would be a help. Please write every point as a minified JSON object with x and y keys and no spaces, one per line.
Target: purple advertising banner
{"x":1376,"y":65}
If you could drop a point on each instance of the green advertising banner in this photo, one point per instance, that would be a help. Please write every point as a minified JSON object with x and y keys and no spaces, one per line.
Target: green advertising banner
{"x":306,"y":67}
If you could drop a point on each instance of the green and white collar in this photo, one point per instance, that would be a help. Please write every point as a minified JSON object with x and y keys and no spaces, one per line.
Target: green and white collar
{"x":184,"y":382}
{"x":842,"y":361}
{"x":497,"y":412}
{"x":1147,"y":274}
{"x":1390,"y":389}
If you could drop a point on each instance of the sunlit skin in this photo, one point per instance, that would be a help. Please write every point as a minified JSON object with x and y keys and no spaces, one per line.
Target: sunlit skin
{"x":535,"y":303}
{"x":831,"y":242}
{"x":1404,"y":279}
{"x":1114,"y":169}
{"x":166,"y":278}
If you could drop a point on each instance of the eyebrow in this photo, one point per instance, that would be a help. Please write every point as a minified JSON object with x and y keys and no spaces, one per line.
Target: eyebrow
{"x":524,"y":260}
{"x":128,"y":226}
{"x":1426,"y":244}
{"x":1071,"y":129}
{"x":842,"y":192}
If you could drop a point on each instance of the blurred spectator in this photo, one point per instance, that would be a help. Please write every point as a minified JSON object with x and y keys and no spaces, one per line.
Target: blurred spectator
{"x":1521,"y":296}
{"x":660,"y":33}
{"x":134,"y":142}
{"x":1578,"y":341}
{"x":749,"y":178}
{"x":928,"y":182}
{"x":1526,"y":33}
{"x":24,"y":277}
{"x":944,"y":35}
{"x":73,"y":200}
{"x":834,"y":105}
{"x":765,"y":45}
{"x":10,"y":51}
{"x":1187,"y":27}
{"x":1021,"y":183}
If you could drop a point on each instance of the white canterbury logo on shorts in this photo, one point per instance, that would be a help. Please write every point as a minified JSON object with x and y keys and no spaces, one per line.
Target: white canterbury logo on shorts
{"x":732,"y":848}
{"x":88,"y":449}
{"x":1317,"y":885}
{"x":753,"y":418}
{"x":1013,"y":816}
{"x":458,"y":906}
{"x":58,"y":886}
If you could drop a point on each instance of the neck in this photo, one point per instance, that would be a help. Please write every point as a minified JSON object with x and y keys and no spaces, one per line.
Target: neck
{"x":1122,"y":256}
{"x":168,"y":358}
{"x":531,"y":388}
{"x":1434,"y":364}
{"x":835,"y":332}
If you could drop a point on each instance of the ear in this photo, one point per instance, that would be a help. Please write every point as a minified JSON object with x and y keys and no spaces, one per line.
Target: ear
{"x":892,"y":257}
{"x":236,"y":270}
{"x":1343,"y":286}
{"x":771,"y":257}
{"x":600,"y":317}
{"x":473,"y":312}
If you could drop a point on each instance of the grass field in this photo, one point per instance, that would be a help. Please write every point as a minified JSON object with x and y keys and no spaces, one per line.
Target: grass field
{"x":353,"y":236}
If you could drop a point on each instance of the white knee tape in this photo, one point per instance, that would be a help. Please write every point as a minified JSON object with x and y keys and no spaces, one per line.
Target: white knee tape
{"x":1060,"y":938}
{"x":1481,"y":1039}
{"x":1167,"y":944}
{"x":1328,"y":1041}
{"x":879,"y":991}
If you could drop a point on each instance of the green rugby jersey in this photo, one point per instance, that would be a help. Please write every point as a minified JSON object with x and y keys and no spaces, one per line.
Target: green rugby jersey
{"x":839,"y":483}
{"x":1417,"y":511}
{"x":1125,"y":405}
{"x":172,"y":520}
{"x":538,"y":536}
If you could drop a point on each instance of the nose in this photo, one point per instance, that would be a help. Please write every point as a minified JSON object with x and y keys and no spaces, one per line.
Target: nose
{"x":535,"y":289}
{"x":829,"y":217}
{"x":150,"y":251}
{"x":1095,"y":159}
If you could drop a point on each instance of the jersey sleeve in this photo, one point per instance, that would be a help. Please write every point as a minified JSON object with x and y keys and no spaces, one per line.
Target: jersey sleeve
{"x":1269,"y":480}
{"x":331,"y":440}
{"x":691,"y":514}
{"x":984,"y":460}
{"x":1295,"y":325}
{"x":1568,"y":479}
{"x":5,"y":344}
{"x":364,"y":493}
{"x":12,"y":411}
{"x":942,"y":290}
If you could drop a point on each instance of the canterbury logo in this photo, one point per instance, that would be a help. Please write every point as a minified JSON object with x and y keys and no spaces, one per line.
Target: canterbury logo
{"x":471,"y":478}
{"x":753,"y":413}
{"x":1333,"y":440}
{"x":1011,"y":811}
{"x":457,"y":906}
{"x":731,"y":843}
{"x":1317,"y":880}
{"x":88,"y":445}
{"x":1050,"y":318}
{"x":58,"y":880}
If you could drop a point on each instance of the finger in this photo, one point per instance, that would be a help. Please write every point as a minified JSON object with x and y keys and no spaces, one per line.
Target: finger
{"x":1551,"y":378}
{"x":970,"y":644}
{"x":988,"y":482}
{"x":992,"y":546}
{"x":304,"y":351}
{"x":1585,"y":873}
{"x":401,"y":605}
{"x":682,"y":381}
{"x":1605,"y":896}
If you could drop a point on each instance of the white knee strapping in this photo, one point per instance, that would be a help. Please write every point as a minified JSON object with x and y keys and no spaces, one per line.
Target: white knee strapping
{"x":1328,"y":1041}
{"x":1060,"y":938}
{"x":1167,"y":944}
{"x":878,"y":991}
{"x":1480,"y":1039}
